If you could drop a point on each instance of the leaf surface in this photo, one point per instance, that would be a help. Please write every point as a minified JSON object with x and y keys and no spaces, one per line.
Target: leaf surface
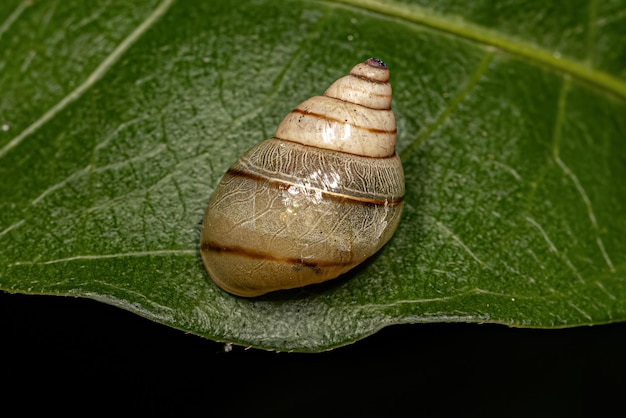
{"x":117,"y":120}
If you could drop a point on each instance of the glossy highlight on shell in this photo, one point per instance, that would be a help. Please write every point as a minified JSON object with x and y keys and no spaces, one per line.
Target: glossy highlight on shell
{"x":317,"y":199}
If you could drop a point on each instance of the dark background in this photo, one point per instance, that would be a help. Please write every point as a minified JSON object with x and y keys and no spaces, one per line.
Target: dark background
{"x":65,"y":354}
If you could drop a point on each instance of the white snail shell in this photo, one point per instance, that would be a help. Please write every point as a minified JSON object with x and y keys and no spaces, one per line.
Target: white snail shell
{"x":314,"y":201}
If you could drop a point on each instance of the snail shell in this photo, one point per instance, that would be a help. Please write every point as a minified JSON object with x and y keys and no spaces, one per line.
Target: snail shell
{"x":314,"y":201}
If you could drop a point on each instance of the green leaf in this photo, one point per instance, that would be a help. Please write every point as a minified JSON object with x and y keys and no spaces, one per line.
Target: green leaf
{"x":118,"y":118}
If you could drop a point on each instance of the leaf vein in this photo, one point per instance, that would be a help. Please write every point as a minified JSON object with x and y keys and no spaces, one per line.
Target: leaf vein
{"x":459,"y":242}
{"x":11,"y":227}
{"x":452,"y":105}
{"x":95,"y":76}
{"x":485,"y":36}
{"x":556,"y":147}
{"x":553,"y":248}
{"x":606,"y":292}
{"x":581,"y":311}
{"x":108,"y":256}
{"x":6,"y":25}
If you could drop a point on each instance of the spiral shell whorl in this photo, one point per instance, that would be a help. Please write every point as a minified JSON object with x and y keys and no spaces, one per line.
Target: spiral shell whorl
{"x":316,"y":200}
{"x":367,"y":85}
{"x":353,"y":116}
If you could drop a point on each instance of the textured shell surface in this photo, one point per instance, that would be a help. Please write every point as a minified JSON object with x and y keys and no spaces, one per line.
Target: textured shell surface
{"x":317,"y":199}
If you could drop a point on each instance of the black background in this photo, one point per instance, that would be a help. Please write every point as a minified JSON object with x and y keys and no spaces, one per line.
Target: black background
{"x":65,"y":354}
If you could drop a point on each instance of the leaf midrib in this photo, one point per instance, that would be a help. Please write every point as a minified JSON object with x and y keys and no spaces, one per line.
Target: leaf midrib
{"x":463,"y":29}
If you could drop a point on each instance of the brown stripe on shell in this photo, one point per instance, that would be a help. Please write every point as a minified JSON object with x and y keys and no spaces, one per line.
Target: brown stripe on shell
{"x":283,"y":185}
{"x":211,"y":246}
{"x":368,"y":79}
{"x":345,"y":122}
